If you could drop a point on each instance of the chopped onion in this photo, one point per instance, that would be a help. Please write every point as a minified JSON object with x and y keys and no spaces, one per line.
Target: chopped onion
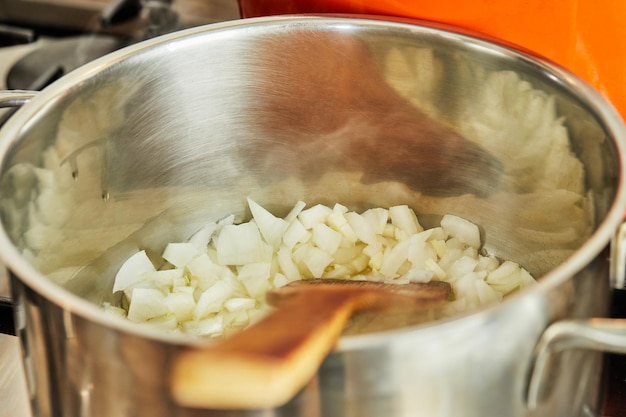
{"x":132,"y":271}
{"x":270,"y":226}
{"x":240,"y":244}
{"x":216,"y":282}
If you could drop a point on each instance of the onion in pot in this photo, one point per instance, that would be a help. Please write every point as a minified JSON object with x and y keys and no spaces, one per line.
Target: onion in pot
{"x":216,"y":282}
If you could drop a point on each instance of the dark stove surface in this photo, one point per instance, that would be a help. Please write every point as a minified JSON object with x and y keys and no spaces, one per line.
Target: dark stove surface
{"x":58,"y":57}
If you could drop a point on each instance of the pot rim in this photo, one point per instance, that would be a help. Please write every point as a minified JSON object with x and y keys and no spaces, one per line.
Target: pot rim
{"x":612,"y":122}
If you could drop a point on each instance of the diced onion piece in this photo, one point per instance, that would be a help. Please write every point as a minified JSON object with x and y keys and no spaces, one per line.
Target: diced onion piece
{"x":279,"y":280}
{"x":465,"y":287}
{"x":439,"y":246}
{"x":361,"y":228}
{"x":377,"y":219}
{"x":394,"y":259}
{"x":340,"y":208}
{"x":405,"y":219}
{"x":181,"y":304}
{"x":179,"y":254}
{"x":239,"y":304}
{"x":287,"y":264}
{"x":165,"y":322}
{"x":419,"y":250}
{"x":314,"y":215}
{"x":450,"y":257}
{"x":392,"y":231}
{"x":462,"y":266}
{"x":376,"y":261}
{"x":211,"y":326}
{"x":212,"y":300}
{"x":235,"y":318}
{"x":270,"y":226}
{"x":316,"y":260}
{"x":146,"y":304}
{"x":488,"y":263}
{"x":326,"y":238}
{"x":359,"y":263}
{"x":344,"y":255}
{"x":501,"y":274}
{"x":131,"y":272}
{"x":255,"y":278}
{"x":506,"y":278}
{"x":338,"y":222}
{"x":295,"y":211}
{"x":419,"y":275}
{"x":204,"y":270}
{"x":202,"y":237}
{"x":240,"y":244}
{"x":464,"y":230}
{"x":433,"y":266}
{"x":163,"y":279}
{"x":485,"y":293}
{"x":295,"y":233}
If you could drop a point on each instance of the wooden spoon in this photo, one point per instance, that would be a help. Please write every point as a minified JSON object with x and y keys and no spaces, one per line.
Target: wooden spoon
{"x":268,"y":363}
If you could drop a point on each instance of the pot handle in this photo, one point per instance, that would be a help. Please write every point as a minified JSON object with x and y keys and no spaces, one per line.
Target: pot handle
{"x":15,"y":98}
{"x":599,"y":334}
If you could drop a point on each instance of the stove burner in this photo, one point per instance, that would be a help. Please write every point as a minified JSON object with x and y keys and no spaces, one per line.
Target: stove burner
{"x":58,"y":57}
{"x":10,"y":35}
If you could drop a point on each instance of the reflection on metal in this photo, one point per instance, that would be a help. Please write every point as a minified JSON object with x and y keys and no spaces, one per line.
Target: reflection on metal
{"x":15,"y":98}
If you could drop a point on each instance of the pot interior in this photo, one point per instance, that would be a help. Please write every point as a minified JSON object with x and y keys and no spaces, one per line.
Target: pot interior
{"x":148,"y":144}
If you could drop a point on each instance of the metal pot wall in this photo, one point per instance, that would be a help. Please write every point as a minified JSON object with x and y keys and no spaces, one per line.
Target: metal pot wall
{"x":142,"y":147}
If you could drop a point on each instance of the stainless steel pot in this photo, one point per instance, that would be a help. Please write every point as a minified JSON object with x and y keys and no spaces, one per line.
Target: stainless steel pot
{"x":143,"y":146}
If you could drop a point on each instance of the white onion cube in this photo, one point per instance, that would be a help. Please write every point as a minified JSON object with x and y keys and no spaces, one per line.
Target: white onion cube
{"x":270,"y":226}
{"x":146,"y":304}
{"x":181,"y":304}
{"x":316,"y":260}
{"x":361,"y":228}
{"x":295,"y":233}
{"x":240,"y":244}
{"x":464,"y":230}
{"x":212,"y":300}
{"x":211,"y":326}
{"x":314,"y":215}
{"x":295,"y":211}
{"x":404,"y":218}
{"x":377,"y":219}
{"x":326,"y":238}
{"x":255,"y":278}
{"x":239,"y":304}
{"x":179,"y":254}
{"x":287,"y":264}
{"x":202,"y":237}
{"x":131,"y":272}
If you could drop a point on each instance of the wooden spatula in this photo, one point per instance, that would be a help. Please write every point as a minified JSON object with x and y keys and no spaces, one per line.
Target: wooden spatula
{"x":268,"y":363}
